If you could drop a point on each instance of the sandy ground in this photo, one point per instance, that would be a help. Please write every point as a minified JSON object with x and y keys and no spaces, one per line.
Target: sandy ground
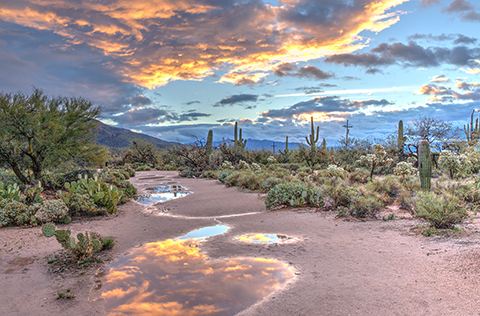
{"x":343,"y":267}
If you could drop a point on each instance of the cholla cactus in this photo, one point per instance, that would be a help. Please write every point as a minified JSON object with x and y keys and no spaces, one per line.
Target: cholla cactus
{"x":243,"y":165}
{"x":454,"y":163}
{"x":335,"y":171}
{"x":271,"y":160}
{"x":255,"y":167}
{"x":404,"y":169}
{"x":226,"y":165}
{"x":378,"y":157}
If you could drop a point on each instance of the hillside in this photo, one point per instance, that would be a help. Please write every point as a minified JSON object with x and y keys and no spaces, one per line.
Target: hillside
{"x":115,"y":137}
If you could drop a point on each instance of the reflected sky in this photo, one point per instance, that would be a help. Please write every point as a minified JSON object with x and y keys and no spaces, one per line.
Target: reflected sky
{"x":173,"y":277}
{"x":267,"y":238}
{"x":165,"y":188}
{"x":149,"y":199}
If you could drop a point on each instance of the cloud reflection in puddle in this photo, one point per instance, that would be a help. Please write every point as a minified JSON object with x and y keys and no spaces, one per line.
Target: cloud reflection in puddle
{"x":173,"y":277}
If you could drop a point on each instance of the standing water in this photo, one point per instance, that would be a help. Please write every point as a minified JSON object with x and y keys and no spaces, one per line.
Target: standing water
{"x":173,"y":277}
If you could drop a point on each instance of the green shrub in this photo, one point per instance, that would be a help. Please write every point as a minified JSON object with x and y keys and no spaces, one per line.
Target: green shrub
{"x":232,"y":179}
{"x":250,"y":181}
{"x":269,"y":183}
{"x":293,"y":194}
{"x":338,"y":194}
{"x":389,"y":186}
{"x":49,"y":211}
{"x":364,"y":206}
{"x":360,"y":175}
{"x":441,"y":211}
{"x":143,"y":168}
{"x":108,"y":243}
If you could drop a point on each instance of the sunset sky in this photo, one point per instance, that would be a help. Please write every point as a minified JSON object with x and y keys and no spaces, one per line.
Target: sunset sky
{"x":176,"y":68}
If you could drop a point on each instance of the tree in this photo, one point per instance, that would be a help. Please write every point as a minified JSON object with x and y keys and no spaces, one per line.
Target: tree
{"x":142,"y":152}
{"x":37,"y":131}
{"x":438,"y":133}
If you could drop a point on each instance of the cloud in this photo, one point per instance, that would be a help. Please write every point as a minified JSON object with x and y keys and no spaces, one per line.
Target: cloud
{"x":411,"y":55}
{"x":140,"y":100}
{"x":289,"y":69}
{"x":439,"y":78}
{"x":463,"y":8}
{"x":440,"y":93}
{"x":321,"y":108}
{"x":139,"y":117}
{"x":239,"y":99}
{"x":457,"y":38}
{"x":315,"y":89}
{"x":150,"y":43}
{"x":427,"y":3}
{"x":192,"y":102}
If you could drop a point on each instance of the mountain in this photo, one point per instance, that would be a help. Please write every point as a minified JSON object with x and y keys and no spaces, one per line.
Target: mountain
{"x":115,"y":137}
{"x":257,"y":144}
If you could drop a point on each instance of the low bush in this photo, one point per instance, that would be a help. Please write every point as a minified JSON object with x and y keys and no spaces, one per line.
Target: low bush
{"x":440,"y":211}
{"x":294,"y":194}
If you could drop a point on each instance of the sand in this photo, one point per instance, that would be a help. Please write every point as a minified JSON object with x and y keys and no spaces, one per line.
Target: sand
{"x":342,"y":267}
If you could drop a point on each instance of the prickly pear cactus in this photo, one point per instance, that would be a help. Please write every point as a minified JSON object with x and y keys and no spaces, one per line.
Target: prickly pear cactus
{"x":425,"y":164}
{"x":48,"y":230}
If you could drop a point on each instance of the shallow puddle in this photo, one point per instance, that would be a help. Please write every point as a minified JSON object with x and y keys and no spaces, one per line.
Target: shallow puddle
{"x":267,"y":238}
{"x":173,"y":277}
{"x":149,"y":199}
{"x":165,"y":188}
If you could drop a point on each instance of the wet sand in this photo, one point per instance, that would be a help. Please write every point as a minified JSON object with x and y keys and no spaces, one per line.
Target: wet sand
{"x":341,"y":267}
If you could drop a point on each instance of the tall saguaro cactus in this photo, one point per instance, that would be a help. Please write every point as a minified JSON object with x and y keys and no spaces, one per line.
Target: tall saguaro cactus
{"x":312,"y":139}
{"x":238,"y":141}
{"x":472,"y":133}
{"x":425,"y":164}
{"x":400,"y":138}
{"x":209,"y":145}
{"x":286,"y":151}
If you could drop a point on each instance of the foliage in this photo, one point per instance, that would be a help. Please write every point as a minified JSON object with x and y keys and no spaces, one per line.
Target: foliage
{"x":404,"y":169}
{"x":142,"y":152}
{"x":293,"y":194}
{"x":363,"y":206}
{"x":40,"y":131}
{"x":10,"y":192}
{"x":375,"y":159}
{"x":82,"y":248}
{"x":49,"y":211}
{"x":455,"y":164}
{"x":104,"y":195}
{"x":441,"y":211}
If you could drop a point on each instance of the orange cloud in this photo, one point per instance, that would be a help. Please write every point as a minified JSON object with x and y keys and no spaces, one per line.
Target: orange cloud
{"x":154,"y":42}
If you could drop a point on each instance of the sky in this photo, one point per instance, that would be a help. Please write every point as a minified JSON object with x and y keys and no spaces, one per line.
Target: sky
{"x":175,"y":69}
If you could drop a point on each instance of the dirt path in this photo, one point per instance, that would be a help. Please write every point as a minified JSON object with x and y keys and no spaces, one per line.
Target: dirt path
{"x":343,"y":268}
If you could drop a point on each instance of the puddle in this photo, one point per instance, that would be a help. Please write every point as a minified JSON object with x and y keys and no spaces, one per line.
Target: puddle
{"x":165,"y":188}
{"x":149,"y":199}
{"x":267,"y":238}
{"x":173,"y":277}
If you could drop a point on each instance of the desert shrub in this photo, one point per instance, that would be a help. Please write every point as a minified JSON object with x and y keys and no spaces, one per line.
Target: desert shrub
{"x":226,"y":165}
{"x":50,"y":211}
{"x":269,"y":183}
{"x":440,"y":211}
{"x":223,"y":175}
{"x":338,"y":194}
{"x":243,"y":165}
{"x":232,"y":179}
{"x":250,"y":181}
{"x":389,"y":186}
{"x":332,"y":171}
{"x":13,"y":213}
{"x":143,"y":168}
{"x":212,"y":174}
{"x":360,"y":175}
{"x":293,"y":194}
{"x":362,"y":206}
{"x":271,"y":160}
{"x":255,"y":167}
{"x":82,"y":205}
{"x":188,"y":173}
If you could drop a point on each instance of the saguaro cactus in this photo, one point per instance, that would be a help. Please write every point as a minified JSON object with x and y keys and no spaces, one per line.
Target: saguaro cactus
{"x":425,"y":164}
{"x":472,"y":133}
{"x":312,"y":139}
{"x":286,"y":151}
{"x":400,"y":138}
{"x":238,"y":141}
{"x":209,"y":145}
{"x":324,"y":145}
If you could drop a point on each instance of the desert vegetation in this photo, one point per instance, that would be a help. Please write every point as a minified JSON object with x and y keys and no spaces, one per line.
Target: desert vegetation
{"x":53,"y":170}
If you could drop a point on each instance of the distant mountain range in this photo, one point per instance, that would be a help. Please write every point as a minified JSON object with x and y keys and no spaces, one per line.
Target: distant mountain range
{"x":115,"y":137}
